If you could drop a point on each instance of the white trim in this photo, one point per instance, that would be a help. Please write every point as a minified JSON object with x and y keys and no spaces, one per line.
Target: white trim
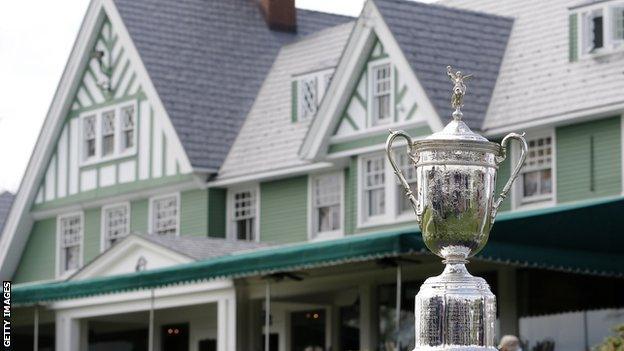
{"x":150,"y":215}
{"x":369,"y":108}
{"x":117,"y":252}
{"x":130,"y":196}
{"x":103,"y":234}
{"x":517,"y":200}
{"x":269,"y":175}
{"x":57,"y":271}
{"x":382,"y":129}
{"x":230,"y":229}
{"x":117,"y":153}
{"x":335,"y":234}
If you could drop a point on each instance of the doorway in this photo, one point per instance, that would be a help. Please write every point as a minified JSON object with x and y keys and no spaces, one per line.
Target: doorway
{"x":308,"y":330}
{"x":175,"y":337}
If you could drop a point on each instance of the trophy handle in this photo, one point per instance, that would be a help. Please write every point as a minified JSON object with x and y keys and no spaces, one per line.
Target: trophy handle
{"x":408,"y":191}
{"x":516,"y":170}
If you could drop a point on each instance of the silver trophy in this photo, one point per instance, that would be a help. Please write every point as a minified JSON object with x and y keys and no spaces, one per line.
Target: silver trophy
{"x":455,"y":209}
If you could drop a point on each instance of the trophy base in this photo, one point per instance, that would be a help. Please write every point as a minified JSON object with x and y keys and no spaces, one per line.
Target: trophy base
{"x":455,"y":311}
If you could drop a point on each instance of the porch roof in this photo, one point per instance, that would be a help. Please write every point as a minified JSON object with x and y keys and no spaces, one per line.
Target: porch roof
{"x":583,"y":237}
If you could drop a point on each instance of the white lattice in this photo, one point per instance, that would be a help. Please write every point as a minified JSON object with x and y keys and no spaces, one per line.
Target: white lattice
{"x":309,"y":95}
{"x":127,"y":126}
{"x":116,"y":224}
{"x":165,"y":215}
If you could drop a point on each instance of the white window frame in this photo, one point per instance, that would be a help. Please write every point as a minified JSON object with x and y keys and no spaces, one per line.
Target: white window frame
{"x":371,"y":81}
{"x":59,"y":262}
{"x":122,"y":129}
{"x":118,"y":152}
{"x":392,"y":194}
{"x":322,"y":78}
{"x":610,"y":43}
{"x":103,"y":234}
{"x":151,"y":212}
{"x":230,"y":227}
{"x":313,"y":235}
{"x":519,"y":202}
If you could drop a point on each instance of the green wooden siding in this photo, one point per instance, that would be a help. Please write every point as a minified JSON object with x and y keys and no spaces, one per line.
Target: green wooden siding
{"x":92,"y":234}
{"x":351,"y":175}
{"x":194,"y":212}
{"x":573,"y":37}
{"x":283,"y":210}
{"x":139,"y":212}
{"x":504,"y":171}
{"x":38,"y":259}
{"x":216,"y":212}
{"x":589,"y":160}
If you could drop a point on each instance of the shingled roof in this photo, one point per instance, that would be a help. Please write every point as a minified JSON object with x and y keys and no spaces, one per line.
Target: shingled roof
{"x":207,"y":60}
{"x":201,"y":248}
{"x":433,"y":36}
{"x":6,"y":200}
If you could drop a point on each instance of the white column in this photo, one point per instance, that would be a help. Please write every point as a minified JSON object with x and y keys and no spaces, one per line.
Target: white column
{"x":68,"y":336}
{"x":368,"y":317}
{"x":36,"y":331}
{"x":226,"y":323}
{"x":507,"y":300}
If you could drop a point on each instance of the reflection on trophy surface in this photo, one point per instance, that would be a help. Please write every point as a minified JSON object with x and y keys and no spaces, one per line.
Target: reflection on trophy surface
{"x":455,"y":208}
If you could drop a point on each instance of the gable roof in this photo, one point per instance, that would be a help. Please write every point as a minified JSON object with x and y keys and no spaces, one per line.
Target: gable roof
{"x":201,"y":248}
{"x":433,"y":36}
{"x":207,"y":60}
{"x":6,"y":200}
{"x":269,"y":139}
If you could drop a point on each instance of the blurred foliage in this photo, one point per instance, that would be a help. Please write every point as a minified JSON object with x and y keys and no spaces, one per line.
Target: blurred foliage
{"x":614,"y":342}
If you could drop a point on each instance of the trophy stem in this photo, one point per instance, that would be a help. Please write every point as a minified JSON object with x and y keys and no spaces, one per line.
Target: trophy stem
{"x":455,"y":311}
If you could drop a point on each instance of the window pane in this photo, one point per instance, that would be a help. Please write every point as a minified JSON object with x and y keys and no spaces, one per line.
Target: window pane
{"x":530,"y":181}
{"x":618,"y":22}
{"x":71,"y":241}
{"x":597,"y":35}
{"x":327,"y":197}
{"x":127,"y":125}
{"x":382,"y":79}
{"x":244,"y":214}
{"x":116,"y":225}
{"x":376,"y":202}
{"x":72,"y":258}
{"x":165,"y":214}
{"x":309,"y":100}
{"x":88,"y":130}
{"x":108,"y":133}
{"x":546,"y":181}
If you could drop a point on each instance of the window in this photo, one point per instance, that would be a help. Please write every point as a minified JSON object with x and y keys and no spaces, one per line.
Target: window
{"x":70,"y":242}
{"x":308,"y":101}
{"x":116,"y":224}
{"x":244,"y":215}
{"x":374,"y":186}
{"x":602,"y":27}
{"x":127,"y":125}
{"x":404,"y":206}
{"x":310,"y":90}
{"x":326,"y":204}
{"x":382,"y":199}
{"x":108,"y":133}
{"x":381,"y":90}
{"x":536,"y":175}
{"x":88,"y":132}
{"x":165,"y":215}
{"x":618,"y":24}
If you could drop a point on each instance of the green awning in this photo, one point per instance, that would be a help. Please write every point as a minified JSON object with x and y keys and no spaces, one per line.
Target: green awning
{"x":584,"y":237}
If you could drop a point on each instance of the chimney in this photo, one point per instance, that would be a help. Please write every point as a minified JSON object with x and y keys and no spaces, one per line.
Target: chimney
{"x":280,"y":14}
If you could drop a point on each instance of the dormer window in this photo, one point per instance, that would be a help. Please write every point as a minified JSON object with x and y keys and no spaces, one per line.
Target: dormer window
{"x":381,"y":84}
{"x":601,"y":28}
{"x":308,"y":91}
{"x":108,"y":133}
